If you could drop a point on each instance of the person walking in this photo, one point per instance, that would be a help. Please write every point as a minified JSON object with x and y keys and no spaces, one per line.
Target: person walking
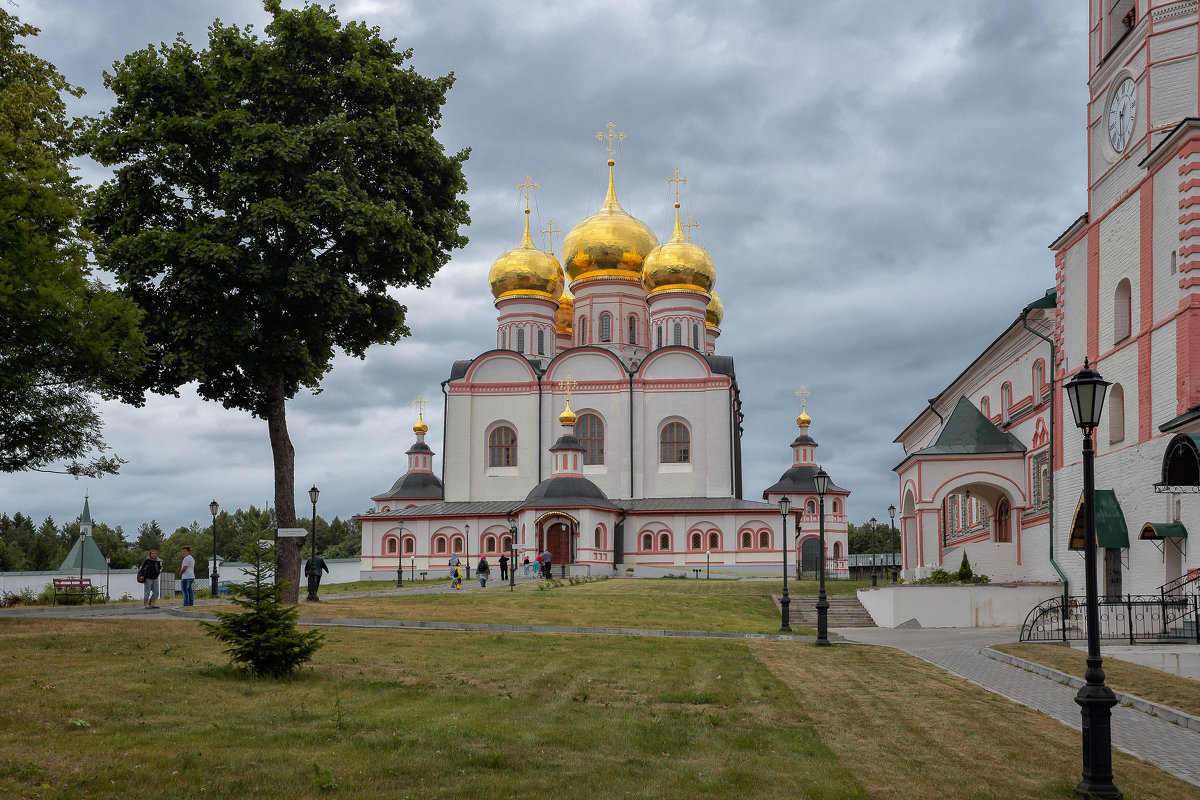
{"x":456,"y":577}
{"x":546,"y":559}
{"x":312,"y":570}
{"x":187,"y":577}
{"x":150,"y":570}
{"x":504,"y":567}
{"x":526,"y":565}
{"x":482,"y":571}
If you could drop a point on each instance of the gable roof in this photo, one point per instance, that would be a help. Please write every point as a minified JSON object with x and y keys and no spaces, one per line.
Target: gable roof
{"x":967,"y":430}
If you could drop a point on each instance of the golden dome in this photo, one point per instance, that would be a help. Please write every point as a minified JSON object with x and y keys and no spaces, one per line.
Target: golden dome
{"x":610,"y":241}
{"x":564,"y":318}
{"x":714,"y":312}
{"x":804,"y":420}
{"x":679,"y":264}
{"x":420,"y":427}
{"x":567,"y":417}
{"x":526,"y":271}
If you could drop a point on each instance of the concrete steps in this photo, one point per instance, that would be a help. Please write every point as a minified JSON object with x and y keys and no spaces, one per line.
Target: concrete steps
{"x":844,"y":611}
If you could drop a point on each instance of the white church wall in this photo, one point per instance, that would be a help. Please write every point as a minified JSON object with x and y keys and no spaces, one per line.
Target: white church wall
{"x":973,"y":606}
{"x":1072,"y":294}
{"x":1120,"y":254}
{"x":1165,"y":241}
{"x":1163,"y":377}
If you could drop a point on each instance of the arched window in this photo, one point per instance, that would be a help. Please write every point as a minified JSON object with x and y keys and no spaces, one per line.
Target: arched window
{"x":1005,"y":399}
{"x":714,"y":540}
{"x":1003,"y":529}
{"x":1116,"y":413}
{"x":502,"y":447}
{"x":837,"y":506}
{"x":985,"y":406}
{"x":810,"y":507}
{"x":520,"y":340}
{"x":503,"y":340}
{"x":664,"y":541}
{"x":696,"y":540}
{"x":633,"y":326}
{"x":489,"y":544}
{"x":647,"y":542}
{"x":747,"y":542}
{"x":506,"y":543}
{"x":599,"y":537}
{"x":764,"y":540}
{"x":1122,"y":311}
{"x":391,"y":546}
{"x":658,"y":337}
{"x":541,"y":343}
{"x":1039,"y":380}
{"x":439,"y":545}
{"x":410,"y":545}
{"x":695,"y":336}
{"x":837,"y":549}
{"x":582,"y":326}
{"x":458,"y":544}
{"x":606,"y":327}
{"x":589,"y":429}
{"x":674,"y":444}
{"x":677,"y":335}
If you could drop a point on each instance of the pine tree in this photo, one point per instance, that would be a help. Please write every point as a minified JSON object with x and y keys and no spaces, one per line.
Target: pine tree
{"x":264,"y":637}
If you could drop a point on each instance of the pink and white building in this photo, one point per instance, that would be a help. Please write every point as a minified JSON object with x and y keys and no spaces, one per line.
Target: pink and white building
{"x":602,"y":426}
{"x":993,"y":467}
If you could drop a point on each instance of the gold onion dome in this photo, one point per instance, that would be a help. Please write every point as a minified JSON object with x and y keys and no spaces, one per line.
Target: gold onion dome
{"x":804,"y":420}
{"x":714,"y":312}
{"x":679,"y":264}
{"x":526,"y":271}
{"x":564,"y":318}
{"x":420,"y":427}
{"x":567,"y":417}
{"x":609,"y":240}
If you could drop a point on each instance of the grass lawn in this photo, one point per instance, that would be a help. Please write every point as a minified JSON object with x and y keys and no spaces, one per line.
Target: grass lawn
{"x":730,"y":606}
{"x":1175,"y":691}
{"x":110,"y":708}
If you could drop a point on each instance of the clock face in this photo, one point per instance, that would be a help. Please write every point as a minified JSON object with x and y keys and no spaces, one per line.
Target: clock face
{"x":1122,"y":111}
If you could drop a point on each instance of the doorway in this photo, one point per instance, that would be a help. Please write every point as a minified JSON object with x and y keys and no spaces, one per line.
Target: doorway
{"x":556,"y":537}
{"x":1112,"y":572}
{"x":810,"y":555}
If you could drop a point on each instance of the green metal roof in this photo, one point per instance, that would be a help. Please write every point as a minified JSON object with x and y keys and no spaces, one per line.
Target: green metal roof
{"x":1111,"y":530}
{"x":1163,"y":530}
{"x":93,"y":559}
{"x":1049,"y":300}
{"x":967,"y":430}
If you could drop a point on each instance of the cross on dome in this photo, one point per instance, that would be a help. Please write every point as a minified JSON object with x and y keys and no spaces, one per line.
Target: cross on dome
{"x":549,"y":231}
{"x":601,"y":136}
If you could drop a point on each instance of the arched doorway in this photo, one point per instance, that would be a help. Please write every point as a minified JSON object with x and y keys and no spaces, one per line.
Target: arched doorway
{"x":810,"y":555}
{"x":1003,"y":522}
{"x":555,"y":535}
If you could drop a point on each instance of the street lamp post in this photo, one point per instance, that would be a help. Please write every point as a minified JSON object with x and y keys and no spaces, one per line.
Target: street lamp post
{"x":313,"y":494}
{"x":512,"y":546}
{"x":821,"y":479}
{"x":895,"y":566}
{"x":1086,"y":391}
{"x":707,"y":564}
{"x":213,"y":508}
{"x":874,"y":577}
{"x":785,"y":622}
{"x":399,"y":553}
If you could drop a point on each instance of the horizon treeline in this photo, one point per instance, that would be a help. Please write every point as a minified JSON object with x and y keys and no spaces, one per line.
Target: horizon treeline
{"x":29,"y":547}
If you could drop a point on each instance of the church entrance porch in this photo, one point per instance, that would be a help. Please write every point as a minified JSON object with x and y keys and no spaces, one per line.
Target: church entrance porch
{"x":556,"y":536}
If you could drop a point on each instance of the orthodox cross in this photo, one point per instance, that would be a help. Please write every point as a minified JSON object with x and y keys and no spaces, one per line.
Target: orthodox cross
{"x":687,"y":226}
{"x":420,"y":404}
{"x":601,"y":136}
{"x":803,"y":395}
{"x":527,"y":185}
{"x":676,"y":180}
{"x":550,"y":231}
{"x":568,"y":384}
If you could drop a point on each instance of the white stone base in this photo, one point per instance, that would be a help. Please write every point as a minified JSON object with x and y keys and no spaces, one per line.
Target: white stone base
{"x":982,"y":605}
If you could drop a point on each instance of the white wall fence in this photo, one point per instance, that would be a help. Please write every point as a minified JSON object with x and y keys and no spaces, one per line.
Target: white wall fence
{"x":119,"y":582}
{"x":975,"y":605}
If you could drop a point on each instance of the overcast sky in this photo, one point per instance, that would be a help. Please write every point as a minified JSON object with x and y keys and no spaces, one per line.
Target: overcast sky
{"x":877,"y":183}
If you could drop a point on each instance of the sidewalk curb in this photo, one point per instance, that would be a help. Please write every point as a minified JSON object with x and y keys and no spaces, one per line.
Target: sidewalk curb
{"x":1180,"y":718}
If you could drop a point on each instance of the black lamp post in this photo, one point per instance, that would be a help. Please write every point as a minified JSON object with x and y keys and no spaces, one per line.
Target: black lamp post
{"x":313,"y":494}
{"x":1086,"y":391}
{"x":821,"y":479}
{"x":708,"y":564}
{"x":213,"y":508}
{"x":874,"y":577}
{"x":895,"y":566}
{"x":399,"y":553}
{"x":512,"y":546}
{"x":785,"y":623}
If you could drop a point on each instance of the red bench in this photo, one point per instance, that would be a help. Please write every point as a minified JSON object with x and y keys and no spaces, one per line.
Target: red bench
{"x":71,"y":587}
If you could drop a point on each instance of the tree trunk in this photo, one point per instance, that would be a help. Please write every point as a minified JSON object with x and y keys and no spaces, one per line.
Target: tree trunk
{"x":284,"y":457}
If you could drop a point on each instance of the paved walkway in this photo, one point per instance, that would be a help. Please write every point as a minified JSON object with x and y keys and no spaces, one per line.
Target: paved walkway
{"x":1169,"y":746}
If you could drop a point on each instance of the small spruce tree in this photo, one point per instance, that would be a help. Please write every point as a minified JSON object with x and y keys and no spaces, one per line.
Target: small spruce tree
{"x":263,"y":638}
{"x":965,"y":575}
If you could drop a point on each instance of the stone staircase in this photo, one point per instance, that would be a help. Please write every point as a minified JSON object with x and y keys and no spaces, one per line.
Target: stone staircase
{"x":844,"y":611}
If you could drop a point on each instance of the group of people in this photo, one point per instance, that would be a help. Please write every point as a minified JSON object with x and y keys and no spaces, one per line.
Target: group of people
{"x":152,"y":568}
{"x":483,"y":570}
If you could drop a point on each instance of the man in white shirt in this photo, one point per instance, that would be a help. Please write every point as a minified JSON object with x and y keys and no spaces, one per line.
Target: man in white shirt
{"x":187,"y":575}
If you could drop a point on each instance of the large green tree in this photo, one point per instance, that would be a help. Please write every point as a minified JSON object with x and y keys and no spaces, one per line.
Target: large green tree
{"x":268,"y":193}
{"x":65,"y":337}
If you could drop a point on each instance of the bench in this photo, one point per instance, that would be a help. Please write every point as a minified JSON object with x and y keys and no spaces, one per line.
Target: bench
{"x":71,"y":587}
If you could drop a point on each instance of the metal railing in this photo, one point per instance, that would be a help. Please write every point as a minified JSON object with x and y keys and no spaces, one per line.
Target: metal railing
{"x":1190,"y":579}
{"x":1132,"y":618}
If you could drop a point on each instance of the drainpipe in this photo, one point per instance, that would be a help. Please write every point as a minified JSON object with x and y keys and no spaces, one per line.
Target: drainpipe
{"x":1050,"y":370}
{"x":539,"y":429}
{"x":941,"y":419}
{"x":632,"y":460}
{"x":445,"y":409}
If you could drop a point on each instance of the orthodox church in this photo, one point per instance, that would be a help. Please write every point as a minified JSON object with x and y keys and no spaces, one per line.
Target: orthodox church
{"x":993,"y":467}
{"x":603,"y":426}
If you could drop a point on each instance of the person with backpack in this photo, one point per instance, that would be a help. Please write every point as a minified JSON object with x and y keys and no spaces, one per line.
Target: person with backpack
{"x":151,"y":568}
{"x":482,"y":571}
{"x":456,"y":577}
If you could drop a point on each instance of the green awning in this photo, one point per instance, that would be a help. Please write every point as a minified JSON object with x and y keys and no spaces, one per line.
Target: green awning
{"x":1156,"y":531}
{"x":1111,"y":530}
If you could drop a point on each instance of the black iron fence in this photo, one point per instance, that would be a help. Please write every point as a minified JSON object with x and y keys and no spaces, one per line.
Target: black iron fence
{"x":1132,"y":618}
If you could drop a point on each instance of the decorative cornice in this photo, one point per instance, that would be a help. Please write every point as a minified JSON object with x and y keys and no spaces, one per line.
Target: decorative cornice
{"x":1164,"y":14}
